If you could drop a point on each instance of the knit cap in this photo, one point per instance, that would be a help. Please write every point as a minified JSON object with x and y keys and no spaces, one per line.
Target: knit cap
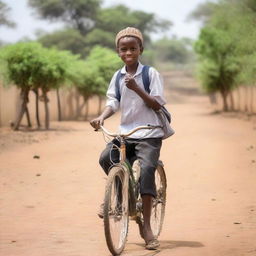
{"x":129,"y":31}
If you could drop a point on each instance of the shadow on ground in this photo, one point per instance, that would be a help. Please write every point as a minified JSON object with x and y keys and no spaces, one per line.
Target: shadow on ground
{"x":164,"y":245}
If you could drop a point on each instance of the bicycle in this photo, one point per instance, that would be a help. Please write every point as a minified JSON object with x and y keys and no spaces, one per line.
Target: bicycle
{"x":122,"y":198}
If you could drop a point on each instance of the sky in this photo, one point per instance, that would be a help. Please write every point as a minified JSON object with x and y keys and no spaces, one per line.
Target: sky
{"x":173,"y":10}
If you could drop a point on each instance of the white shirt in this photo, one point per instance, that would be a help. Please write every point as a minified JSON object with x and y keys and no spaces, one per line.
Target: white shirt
{"x":134,"y":111}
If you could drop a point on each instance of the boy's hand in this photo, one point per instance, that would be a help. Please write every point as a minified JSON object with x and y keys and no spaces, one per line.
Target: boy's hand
{"x":130,"y":82}
{"x":96,"y":123}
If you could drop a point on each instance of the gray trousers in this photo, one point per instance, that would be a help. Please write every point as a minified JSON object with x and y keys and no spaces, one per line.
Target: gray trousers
{"x":147,"y":151}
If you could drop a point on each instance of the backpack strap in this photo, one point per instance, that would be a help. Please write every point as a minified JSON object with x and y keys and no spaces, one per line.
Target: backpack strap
{"x":117,"y":85}
{"x":145,"y":80}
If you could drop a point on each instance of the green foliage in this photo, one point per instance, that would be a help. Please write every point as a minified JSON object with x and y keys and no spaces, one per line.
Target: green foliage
{"x":100,"y":66}
{"x":67,"y":39}
{"x":219,"y":66}
{"x":4,"y":20}
{"x":99,"y":37}
{"x":227,"y":47}
{"x":115,"y":18}
{"x":148,"y":57}
{"x":173,"y":50}
{"x":30,"y":66}
{"x":203,"y":12}
{"x":230,"y":39}
{"x":91,"y":24}
{"x":22,"y":63}
{"x":78,"y":14}
{"x":54,"y":68}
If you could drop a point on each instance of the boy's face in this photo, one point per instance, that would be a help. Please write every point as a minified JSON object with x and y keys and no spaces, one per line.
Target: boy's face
{"x":129,"y":50}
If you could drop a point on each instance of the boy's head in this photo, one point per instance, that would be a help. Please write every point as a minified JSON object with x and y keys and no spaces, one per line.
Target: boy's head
{"x":130,"y":32}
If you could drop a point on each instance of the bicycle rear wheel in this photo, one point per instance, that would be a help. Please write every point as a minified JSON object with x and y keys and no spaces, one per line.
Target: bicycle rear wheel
{"x":116,"y":215}
{"x":158,"y":209}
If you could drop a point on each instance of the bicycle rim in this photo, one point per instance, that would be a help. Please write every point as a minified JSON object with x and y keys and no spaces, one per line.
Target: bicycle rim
{"x":116,"y":210}
{"x":158,"y":209}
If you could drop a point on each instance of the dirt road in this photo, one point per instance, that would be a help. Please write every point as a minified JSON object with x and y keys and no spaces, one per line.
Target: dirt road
{"x":51,"y":187}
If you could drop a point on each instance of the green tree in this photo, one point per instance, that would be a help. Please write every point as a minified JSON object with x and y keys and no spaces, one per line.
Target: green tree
{"x":114,"y":18}
{"x":226,"y":48}
{"x":203,"y":12}
{"x":77,"y":14}
{"x":52,"y":74}
{"x":4,"y":11}
{"x":100,"y":66}
{"x":102,"y":28}
{"x":66,"y":39}
{"x":173,"y":50}
{"x":219,"y":66}
{"x":31,"y":67}
{"x":21,"y":64}
{"x":92,"y":76}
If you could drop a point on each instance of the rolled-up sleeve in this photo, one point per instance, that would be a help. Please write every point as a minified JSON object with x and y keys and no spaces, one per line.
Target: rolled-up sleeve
{"x":156,"y":86}
{"x":111,"y":95}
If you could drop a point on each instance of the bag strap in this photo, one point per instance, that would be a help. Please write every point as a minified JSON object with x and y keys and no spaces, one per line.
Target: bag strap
{"x":117,"y":85}
{"x":145,"y":79}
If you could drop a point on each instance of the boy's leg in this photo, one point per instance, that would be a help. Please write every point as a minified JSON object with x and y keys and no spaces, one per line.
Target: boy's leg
{"x":109,"y":155}
{"x":148,"y":151}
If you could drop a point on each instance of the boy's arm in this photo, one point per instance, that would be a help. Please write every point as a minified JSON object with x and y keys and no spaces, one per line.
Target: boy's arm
{"x":97,"y":122}
{"x":149,"y":100}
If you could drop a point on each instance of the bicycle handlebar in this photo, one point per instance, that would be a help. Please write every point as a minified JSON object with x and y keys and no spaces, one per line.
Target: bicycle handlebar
{"x":130,"y":132}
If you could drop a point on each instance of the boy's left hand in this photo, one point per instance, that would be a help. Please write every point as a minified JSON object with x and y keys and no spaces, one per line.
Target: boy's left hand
{"x":130,"y":82}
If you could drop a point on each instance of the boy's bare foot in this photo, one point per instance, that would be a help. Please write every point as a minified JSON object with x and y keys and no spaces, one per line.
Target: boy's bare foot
{"x":151,"y":242}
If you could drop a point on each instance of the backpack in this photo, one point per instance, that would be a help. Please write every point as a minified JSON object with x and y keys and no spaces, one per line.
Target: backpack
{"x":163,"y":114}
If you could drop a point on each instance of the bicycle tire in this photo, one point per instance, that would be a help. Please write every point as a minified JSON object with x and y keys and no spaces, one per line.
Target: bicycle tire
{"x":116,"y":218}
{"x":159,"y":203}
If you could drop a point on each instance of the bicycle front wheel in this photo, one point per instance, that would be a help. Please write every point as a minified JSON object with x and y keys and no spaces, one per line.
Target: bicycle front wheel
{"x":158,"y":209}
{"x":116,"y":215}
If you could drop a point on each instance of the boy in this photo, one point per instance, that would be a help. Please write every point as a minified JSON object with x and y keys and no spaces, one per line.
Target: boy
{"x":137,"y":108}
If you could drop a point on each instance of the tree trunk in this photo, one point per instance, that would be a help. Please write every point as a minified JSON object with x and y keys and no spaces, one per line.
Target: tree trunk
{"x":78,"y":108}
{"x":46,"y":109}
{"x":28,"y":117}
{"x":224,"y":99}
{"x":239,"y":98}
{"x":37,"y":108}
{"x":24,"y":95}
{"x":59,"y":105}
{"x":246,"y":99}
{"x":100,"y":105}
{"x":86,"y":109}
{"x":232,"y":104}
{"x":79,"y":111}
{"x":251,"y":103}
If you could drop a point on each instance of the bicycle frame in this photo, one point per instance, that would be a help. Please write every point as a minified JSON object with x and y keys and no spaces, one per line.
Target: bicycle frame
{"x":133,"y":188}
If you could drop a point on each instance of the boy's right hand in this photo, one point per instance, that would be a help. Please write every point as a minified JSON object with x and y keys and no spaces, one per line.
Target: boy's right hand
{"x":96,"y":123}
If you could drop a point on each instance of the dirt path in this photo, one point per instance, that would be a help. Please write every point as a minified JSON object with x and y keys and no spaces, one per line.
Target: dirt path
{"x":51,"y":186}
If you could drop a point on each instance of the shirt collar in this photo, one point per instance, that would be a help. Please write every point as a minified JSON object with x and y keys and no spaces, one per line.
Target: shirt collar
{"x":138,"y":71}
